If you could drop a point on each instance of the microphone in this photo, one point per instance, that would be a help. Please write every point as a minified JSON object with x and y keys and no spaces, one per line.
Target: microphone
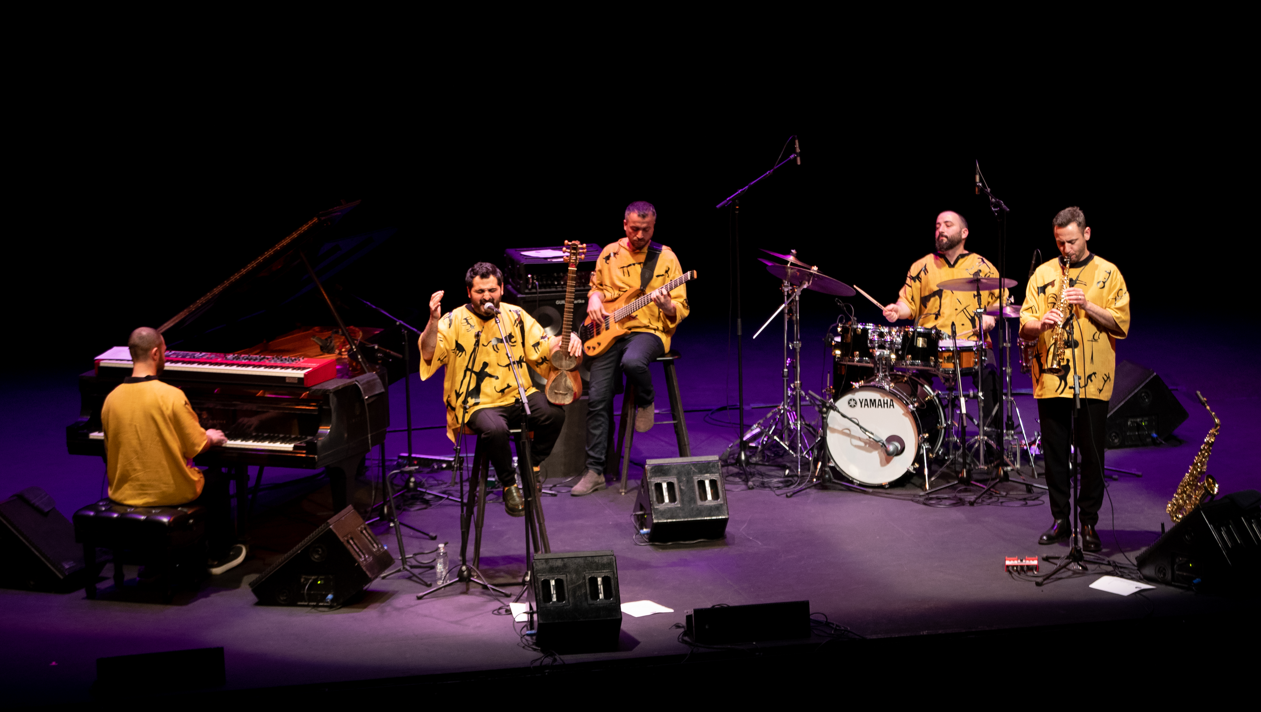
{"x":1033,"y":266}
{"x":977,"y":177}
{"x":894,"y":445}
{"x":797,"y":149}
{"x":490,"y":308}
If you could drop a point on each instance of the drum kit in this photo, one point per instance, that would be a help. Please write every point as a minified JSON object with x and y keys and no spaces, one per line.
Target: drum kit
{"x":882,"y":418}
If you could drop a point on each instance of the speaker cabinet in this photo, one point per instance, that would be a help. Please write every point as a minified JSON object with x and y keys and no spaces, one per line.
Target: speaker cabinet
{"x":578,"y":602}
{"x":38,"y":544}
{"x":548,"y":309}
{"x":682,"y":499}
{"x":725,"y":625}
{"x":1216,"y":547}
{"x":332,"y":564}
{"x":1142,"y":411}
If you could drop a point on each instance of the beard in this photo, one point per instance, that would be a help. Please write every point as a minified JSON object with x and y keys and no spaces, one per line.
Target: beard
{"x":946,"y":243}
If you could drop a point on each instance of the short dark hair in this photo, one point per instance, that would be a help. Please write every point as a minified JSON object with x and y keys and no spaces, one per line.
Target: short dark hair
{"x":483,"y":270}
{"x":1068,"y":216}
{"x":957,"y":214}
{"x":141,"y":342}
{"x":641,"y":208}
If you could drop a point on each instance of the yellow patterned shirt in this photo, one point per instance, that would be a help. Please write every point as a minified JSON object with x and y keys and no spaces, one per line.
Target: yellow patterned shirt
{"x":1093,"y":350}
{"x":935,"y":307}
{"x":619,"y":270}
{"x":489,"y":382}
{"x":151,"y":437}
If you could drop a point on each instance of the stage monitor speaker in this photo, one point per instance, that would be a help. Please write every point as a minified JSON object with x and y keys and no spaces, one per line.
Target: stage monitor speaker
{"x":332,"y":564}
{"x":1217,"y":547}
{"x":579,"y":604}
{"x":682,"y":499}
{"x":38,"y":545}
{"x":1142,"y":411}
{"x":548,"y":309}
{"x":725,"y":625}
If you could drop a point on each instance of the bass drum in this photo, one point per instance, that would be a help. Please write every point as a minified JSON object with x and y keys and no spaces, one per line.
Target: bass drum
{"x":904,"y":409}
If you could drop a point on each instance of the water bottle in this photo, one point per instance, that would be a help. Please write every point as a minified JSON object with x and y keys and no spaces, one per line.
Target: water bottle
{"x":440,"y":565}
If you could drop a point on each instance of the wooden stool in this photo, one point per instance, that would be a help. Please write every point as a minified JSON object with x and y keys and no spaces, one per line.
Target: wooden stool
{"x":620,"y":448}
{"x":143,"y":535}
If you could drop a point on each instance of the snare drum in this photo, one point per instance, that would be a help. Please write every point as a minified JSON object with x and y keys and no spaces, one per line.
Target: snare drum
{"x":904,"y":409}
{"x":967,"y":354}
{"x":918,"y":348}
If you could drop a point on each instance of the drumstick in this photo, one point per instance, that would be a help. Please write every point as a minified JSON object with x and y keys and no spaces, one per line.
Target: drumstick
{"x":873,"y":301}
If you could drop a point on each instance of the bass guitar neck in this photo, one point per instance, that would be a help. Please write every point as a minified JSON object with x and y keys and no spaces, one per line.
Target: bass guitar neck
{"x":598,"y":336}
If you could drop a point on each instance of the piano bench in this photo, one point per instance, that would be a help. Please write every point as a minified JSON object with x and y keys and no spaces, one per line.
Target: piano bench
{"x":171,"y":537}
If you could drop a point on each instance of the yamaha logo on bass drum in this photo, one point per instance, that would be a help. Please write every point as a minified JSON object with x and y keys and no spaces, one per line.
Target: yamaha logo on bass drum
{"x":871,"y":403}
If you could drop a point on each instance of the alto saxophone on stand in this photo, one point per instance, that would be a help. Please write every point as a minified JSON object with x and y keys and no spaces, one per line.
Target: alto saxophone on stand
{"x":1197,"y":485}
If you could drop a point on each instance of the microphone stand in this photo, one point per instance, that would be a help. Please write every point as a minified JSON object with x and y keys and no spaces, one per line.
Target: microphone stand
{"x":535,"y":525}
{"x":404,"y":328}
{"x":822,"y":475}
{"x":742,"y":459}
{"x":1076,"y":556}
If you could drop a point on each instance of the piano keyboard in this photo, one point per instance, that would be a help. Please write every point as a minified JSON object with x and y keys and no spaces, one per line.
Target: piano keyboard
{"x":248,"y":368}
{"x":285,"y":443}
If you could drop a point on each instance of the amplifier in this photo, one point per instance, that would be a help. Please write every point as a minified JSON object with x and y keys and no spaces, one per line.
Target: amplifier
{"x":543,"y":269}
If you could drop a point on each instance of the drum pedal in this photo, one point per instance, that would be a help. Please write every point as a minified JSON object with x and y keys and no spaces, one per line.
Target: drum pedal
{"x":1018,"y":564}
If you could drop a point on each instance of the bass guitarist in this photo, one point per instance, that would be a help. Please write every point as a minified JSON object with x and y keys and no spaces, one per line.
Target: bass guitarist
{"x":632,"y":263}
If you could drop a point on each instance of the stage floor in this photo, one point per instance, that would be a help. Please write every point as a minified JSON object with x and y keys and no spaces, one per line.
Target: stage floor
{"x":884,"y":564}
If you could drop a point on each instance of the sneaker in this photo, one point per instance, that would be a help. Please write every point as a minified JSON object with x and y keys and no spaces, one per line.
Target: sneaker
{"x":590,"y":482}
{"x":514,"y":505}
{"x":644,"y":418}
{"x":229,"y":561}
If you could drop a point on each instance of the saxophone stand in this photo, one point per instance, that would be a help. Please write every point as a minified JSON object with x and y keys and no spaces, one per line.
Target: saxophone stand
{"x":1075,"y":559}
{"x":467,"y":573}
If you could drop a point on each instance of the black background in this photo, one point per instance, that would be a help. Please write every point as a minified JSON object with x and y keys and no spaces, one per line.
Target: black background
{"x":129,"y":217}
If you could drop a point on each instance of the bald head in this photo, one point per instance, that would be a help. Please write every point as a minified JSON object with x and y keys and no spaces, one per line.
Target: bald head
{"x":142,"y":343}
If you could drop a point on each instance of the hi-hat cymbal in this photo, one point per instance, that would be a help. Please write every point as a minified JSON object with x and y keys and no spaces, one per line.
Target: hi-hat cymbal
{"x":790,"y":258}
{"x":809,"y":279}
{"x":1009,"y":311}
{"x":971,"y":284}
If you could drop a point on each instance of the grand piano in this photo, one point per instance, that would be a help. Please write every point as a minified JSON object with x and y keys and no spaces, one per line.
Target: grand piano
{"x":314,"y":397}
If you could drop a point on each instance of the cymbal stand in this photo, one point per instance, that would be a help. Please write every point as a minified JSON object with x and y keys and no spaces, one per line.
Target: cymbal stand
{"x":784,"y":426}
{"x":960,"y":458}
{"x":467,"y":573}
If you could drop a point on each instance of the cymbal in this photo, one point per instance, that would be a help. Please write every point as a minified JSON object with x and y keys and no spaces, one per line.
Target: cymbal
{"x":971,"y":284}
{"x":809,"y":279}
{"x":789,"y":258}
{"x":1009,"y":311}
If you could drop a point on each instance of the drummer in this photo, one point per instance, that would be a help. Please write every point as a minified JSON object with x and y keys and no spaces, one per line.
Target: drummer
{"x":924,"y":300}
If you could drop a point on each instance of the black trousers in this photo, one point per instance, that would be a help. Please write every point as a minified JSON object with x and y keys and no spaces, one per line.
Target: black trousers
{"x":1091,"y":419}
{"x":631,"y":355}
{"x":492,"y":424}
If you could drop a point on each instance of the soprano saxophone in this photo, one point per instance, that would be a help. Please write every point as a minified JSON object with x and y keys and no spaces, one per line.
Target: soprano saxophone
{"x":1197,"y":484}
{"x":1057,"y":353}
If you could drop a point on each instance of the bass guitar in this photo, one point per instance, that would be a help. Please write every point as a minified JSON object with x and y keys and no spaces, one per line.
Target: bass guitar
{"x":564,"y":386}
{"x":597,"y":336}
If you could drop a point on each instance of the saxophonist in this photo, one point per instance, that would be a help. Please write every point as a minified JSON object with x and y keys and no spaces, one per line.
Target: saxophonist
{"x":1075,"y":308}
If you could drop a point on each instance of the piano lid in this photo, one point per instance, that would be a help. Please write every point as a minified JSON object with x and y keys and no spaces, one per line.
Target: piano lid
{"x":274,"y":292}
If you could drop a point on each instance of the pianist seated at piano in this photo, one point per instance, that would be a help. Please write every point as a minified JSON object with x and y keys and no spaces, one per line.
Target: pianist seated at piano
{"x":151,"y":436}
{"x":467,"y":341}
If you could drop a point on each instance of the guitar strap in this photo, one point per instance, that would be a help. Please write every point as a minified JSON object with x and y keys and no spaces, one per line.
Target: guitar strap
{"x":650,"y":266}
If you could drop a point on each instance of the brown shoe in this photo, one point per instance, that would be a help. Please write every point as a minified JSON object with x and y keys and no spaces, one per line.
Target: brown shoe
{"x":514,"y":505}
{"x":590,"y":482}
{"x":644,"y":418}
